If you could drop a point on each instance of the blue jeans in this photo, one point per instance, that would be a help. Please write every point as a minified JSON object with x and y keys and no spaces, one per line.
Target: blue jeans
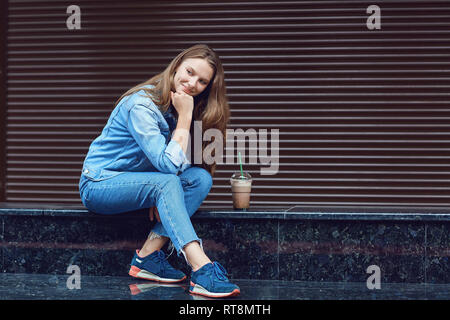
{"x":176,"y":197}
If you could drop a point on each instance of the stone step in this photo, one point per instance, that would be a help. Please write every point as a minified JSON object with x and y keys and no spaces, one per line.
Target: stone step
{"x":406,"y":245}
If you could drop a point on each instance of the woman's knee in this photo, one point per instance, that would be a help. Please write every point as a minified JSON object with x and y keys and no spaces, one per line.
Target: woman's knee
{"x":198,"y":178}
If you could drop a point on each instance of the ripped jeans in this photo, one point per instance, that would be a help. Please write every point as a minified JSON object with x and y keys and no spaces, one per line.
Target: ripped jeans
{"x":177,"y":198}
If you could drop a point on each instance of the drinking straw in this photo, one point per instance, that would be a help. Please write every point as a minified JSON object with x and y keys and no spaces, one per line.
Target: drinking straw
{"x":240,"y":164}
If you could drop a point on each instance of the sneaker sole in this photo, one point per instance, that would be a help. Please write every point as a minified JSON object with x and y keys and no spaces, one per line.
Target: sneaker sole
{"x":143,"y":274}
{"x":198,"y":289}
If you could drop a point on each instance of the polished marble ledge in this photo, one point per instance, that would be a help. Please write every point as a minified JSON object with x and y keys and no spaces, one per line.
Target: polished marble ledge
{"x":278,"y":213}
{"x":15,"y":286}
{"x":301,"y":244}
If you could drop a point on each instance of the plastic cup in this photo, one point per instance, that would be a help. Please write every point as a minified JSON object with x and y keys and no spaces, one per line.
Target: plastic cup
{"x":241,"y":187}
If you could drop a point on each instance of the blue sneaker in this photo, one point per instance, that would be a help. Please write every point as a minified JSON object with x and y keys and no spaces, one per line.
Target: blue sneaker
{"x":211,"y":281}
{"x":155,"y":267}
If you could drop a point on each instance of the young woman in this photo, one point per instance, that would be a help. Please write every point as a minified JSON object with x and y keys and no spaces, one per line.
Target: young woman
{"x":139,"y":161}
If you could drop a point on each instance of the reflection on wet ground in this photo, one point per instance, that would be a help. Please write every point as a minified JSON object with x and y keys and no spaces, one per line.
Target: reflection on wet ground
{"x":56,"y":287}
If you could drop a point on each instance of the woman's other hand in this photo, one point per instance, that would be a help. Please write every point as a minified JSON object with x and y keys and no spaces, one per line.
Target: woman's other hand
{"x":153,"y":212}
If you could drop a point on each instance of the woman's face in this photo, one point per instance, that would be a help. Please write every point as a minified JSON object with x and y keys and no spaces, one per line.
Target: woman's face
{"x":193,"y":76}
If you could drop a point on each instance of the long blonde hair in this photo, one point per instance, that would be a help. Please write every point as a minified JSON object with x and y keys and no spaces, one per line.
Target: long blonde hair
{"x":211,"y":106}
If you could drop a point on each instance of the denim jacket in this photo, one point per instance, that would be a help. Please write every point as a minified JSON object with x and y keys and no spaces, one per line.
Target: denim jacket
{"x":137,"y":138}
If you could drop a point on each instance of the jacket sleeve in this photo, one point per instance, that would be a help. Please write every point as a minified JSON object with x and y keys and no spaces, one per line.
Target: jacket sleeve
{"x":143,"y":126}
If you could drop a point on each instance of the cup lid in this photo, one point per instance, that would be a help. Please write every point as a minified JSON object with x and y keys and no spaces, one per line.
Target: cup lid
{"x":239,"y":176}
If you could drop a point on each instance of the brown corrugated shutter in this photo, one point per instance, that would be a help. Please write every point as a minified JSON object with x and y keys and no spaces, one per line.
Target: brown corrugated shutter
{"x":363,"y":115}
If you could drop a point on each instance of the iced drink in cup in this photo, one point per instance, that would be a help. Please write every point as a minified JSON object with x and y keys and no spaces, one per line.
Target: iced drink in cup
{"x":241,"y":186}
